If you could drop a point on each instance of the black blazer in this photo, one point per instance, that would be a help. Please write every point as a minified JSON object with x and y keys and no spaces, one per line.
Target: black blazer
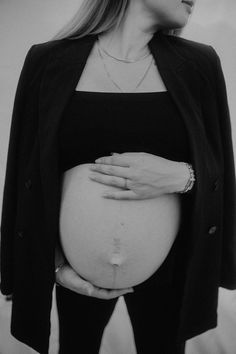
{"x":193,"y":76}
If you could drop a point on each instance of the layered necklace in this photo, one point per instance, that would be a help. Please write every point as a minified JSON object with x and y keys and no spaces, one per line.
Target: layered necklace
{"x":128,"y":61}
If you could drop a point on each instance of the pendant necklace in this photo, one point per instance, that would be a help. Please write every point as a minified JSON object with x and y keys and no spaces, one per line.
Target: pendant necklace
{"x":124,"y":60}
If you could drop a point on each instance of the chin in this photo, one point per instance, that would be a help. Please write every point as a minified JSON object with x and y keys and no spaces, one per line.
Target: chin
{"x":176,"y":23}
{"x":179,"y":22}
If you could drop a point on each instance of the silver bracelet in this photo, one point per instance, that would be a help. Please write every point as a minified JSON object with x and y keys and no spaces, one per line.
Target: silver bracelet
{"x":190,"y":182}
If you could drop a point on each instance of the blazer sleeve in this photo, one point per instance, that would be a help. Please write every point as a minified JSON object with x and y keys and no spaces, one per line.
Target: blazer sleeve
{"x":228,"y":261}
{"x":9,"y":201}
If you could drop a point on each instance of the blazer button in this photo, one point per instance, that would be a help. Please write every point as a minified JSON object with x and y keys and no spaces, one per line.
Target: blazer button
{"x":28,"y":184}
{"x":20,"y":234}
{"x":212,"y":229}
{"x":216,"y":185}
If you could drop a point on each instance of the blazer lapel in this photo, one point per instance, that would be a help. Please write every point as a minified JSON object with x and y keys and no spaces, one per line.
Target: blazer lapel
{"x":60,"y":79}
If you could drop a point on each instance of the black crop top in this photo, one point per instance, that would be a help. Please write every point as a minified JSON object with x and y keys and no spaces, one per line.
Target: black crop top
{"x":94,"y":124}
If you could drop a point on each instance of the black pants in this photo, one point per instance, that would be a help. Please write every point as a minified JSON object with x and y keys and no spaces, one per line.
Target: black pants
{"x":153,"y":309}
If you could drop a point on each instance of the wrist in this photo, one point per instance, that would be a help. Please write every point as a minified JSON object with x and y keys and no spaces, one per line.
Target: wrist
{"x":59,"y":266}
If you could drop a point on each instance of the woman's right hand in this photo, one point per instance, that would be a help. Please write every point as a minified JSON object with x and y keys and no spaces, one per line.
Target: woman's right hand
{"x":67,"y":277}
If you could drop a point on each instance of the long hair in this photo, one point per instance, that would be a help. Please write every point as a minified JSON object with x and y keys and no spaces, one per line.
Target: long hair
{"x":97,"y":16}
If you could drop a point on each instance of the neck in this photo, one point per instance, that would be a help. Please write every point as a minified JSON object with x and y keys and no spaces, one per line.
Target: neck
{"x":129,"y":41}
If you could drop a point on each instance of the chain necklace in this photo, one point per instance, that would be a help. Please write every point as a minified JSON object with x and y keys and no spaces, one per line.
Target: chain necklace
{"x":108,"y":74}
{"x":123,"y":60}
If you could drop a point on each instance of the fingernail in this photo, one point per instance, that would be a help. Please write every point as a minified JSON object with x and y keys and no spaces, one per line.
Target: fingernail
{"x":105,"y":194}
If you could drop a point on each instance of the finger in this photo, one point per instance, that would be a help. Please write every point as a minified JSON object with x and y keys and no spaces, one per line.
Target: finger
{"x":89,"y":289}
{"x":81,"y":283}
{"x":110,"y":294}
{"x":111,"y":170}
{"x":121,"y":195}
{"x":84,"y":288}
{"x":108,"y":180}
{"x":119,"y":160}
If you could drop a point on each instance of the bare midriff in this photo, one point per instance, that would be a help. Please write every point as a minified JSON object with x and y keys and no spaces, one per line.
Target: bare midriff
{"x":114,"y":243}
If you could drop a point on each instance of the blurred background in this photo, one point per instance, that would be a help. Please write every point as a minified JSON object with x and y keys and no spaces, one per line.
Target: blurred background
{"x":27,"y":22}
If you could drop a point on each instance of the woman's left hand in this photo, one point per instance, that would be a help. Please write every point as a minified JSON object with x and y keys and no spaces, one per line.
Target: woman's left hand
{"x":142,"y":175}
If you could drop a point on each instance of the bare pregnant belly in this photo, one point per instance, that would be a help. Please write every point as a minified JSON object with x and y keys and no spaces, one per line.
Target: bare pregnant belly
{"x":114,"y":243}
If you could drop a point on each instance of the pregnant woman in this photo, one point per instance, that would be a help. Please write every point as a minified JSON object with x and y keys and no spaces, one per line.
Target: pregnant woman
{"x":121,"y":138}
{"x":120,"y":216}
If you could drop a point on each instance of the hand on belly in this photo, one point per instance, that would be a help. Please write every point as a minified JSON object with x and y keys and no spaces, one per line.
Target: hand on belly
{"x":143,"y":175}
{"x":114,"y":243}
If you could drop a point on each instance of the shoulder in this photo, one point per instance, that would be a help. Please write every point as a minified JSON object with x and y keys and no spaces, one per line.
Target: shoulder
{"x":202,"y":55}
{"x":193,"y":50}
{"x":36,"y":60}
{"x":39,"y":54}
{"x":41,"y":51}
